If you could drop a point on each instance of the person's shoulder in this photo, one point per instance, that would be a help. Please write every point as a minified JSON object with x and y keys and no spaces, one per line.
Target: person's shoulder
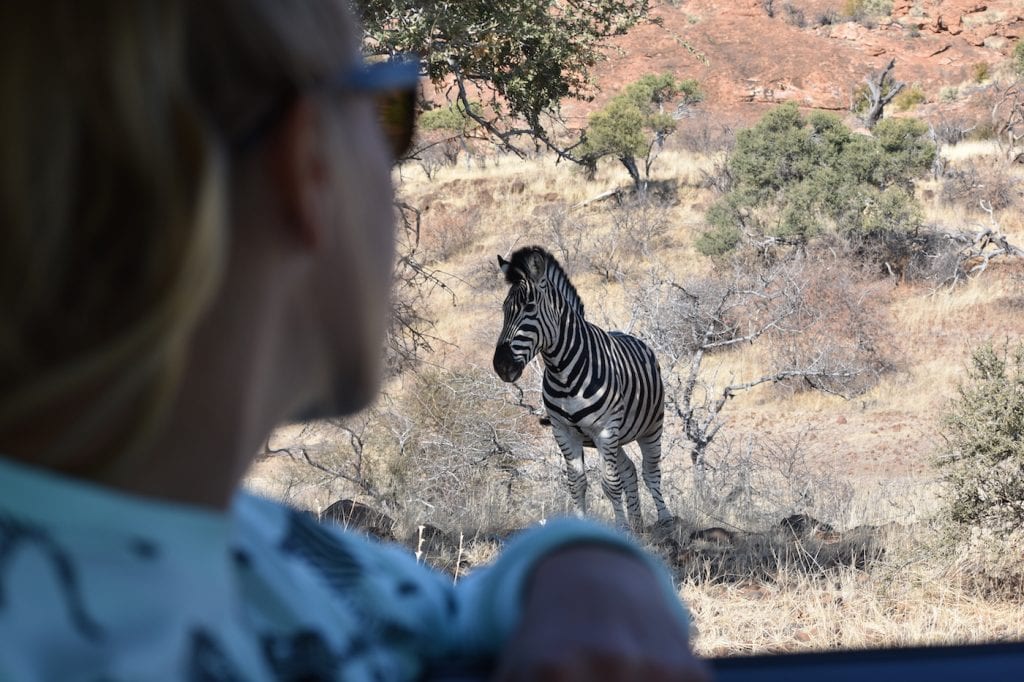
{"x":262,"y":519}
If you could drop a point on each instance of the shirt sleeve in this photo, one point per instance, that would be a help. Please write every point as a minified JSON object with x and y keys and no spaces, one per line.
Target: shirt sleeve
{"x":491,"y":600}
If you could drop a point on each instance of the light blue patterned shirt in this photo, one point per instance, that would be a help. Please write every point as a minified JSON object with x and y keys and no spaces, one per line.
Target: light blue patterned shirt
{"x":96,"y":586}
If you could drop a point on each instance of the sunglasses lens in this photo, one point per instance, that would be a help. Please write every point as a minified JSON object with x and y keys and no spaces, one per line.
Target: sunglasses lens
{"x":396,"y":111}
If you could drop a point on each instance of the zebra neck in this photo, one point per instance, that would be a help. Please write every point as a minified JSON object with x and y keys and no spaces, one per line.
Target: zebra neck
{"x":569,"y":354}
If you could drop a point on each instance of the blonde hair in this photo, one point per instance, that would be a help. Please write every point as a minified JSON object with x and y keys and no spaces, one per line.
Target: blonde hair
{"x":113,"y":194}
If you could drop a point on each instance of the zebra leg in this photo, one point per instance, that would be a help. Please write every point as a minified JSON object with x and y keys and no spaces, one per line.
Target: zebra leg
{"x":571,"y":445}
{"x":650,"y":448}
{"x":630,"y":489}
{"x":611,"y":484}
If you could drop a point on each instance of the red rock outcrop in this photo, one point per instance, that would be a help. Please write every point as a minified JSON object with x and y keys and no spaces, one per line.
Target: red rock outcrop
{"x":806,"y":53}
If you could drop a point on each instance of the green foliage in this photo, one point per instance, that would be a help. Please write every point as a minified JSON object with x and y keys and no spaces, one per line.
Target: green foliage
{"x":1017,"y":59}
{"x":720,"y":241}
{"x":617,"y":129}
{"x":530,"y":53}
{"x":796,"y":177}
{"x":984,"y":434}
{"x":908,"y":98}
{"x":630,"y":124}
{"x":452,"y":118}
{"x":630,"y":120}
{"x":905,"y":152}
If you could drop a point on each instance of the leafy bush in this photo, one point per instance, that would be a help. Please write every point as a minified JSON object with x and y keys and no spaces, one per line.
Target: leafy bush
{"x":452,"y":118}
{"x":984,"y":433}
{"x":797,"y":177}
{"x":719,"y":242}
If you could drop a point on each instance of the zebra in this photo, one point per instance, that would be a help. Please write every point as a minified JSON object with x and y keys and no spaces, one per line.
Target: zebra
{"x":601,"y":389}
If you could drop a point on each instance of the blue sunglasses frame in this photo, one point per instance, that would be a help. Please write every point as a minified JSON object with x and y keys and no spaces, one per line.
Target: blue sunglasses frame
{"x":393,"y":81}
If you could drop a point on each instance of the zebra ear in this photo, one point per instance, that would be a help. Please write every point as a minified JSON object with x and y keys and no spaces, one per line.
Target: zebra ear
{"x":536,"y":266}
{"x":503,"y":264}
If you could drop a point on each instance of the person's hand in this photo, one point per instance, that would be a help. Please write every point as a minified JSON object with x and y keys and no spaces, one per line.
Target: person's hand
{"x":594,"y":613}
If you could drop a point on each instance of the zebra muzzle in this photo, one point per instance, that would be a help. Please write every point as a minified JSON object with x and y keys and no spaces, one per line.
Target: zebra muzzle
{"x":506,"y":365}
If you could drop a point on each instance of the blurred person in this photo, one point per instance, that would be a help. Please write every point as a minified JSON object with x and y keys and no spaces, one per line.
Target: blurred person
{"x":197,"y":243}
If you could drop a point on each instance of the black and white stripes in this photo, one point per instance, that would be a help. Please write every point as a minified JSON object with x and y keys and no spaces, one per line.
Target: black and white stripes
{"x":601,"y":389}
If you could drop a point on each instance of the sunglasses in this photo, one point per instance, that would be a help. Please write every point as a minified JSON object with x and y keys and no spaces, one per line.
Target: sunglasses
{"x":391,"y":84}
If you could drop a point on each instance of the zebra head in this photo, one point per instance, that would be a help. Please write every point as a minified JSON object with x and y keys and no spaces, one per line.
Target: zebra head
{"x":539,"y":290}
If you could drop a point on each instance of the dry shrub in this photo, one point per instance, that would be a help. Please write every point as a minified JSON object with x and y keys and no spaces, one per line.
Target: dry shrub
{"x":991,"y":566}
{"x":794,"y":16}
{"x":718,"y":178}
{"x":612,"y":242}
{"x":462,"y":450}
{"x":701,"y":313}
{"x":843,"y":340}
{"x":765,"y":557}
{"x":566,"y":232}
{"x":449,"y":232}
{"x":755,"y":483}
{"x":755,"y":492}
{"x":633,"y":228}
{"x":930,"y":254}
{"x":436,"y":150}
{"x":989,"y":180}
{"x":952,"y":129}
{"x":705,"y":135}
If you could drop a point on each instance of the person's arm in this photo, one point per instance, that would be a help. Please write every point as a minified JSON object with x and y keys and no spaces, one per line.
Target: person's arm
{"x":595,"y":612}
{"x":576,"y":600}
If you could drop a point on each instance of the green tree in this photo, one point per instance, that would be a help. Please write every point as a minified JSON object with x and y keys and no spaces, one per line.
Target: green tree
{"x":452,"y":118}
{"x":635,"y":123}
{"x":795,"y":177}
{"x":523,"y":56}
{"x":984,"y":434}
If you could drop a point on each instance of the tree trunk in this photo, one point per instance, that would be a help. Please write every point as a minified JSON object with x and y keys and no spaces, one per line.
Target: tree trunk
{"x":699,"y":471}
{"x":630,"y":163}
{"x":882,"y":91}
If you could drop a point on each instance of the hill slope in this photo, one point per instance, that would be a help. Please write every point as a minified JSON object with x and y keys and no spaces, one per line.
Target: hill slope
{"x":746,"y":59}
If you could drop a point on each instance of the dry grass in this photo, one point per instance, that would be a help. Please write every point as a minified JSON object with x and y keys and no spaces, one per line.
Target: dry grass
{"x":970,"y":149}
{"x":888,"y":606}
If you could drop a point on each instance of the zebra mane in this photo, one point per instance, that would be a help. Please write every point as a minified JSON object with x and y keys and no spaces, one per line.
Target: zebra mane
{"x":530,"y":262}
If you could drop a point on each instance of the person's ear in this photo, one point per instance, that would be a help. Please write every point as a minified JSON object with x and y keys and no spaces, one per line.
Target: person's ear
{"x":300,"y":170}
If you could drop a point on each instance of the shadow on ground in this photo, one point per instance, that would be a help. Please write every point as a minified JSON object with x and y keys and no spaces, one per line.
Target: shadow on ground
{"x":799,"y":543}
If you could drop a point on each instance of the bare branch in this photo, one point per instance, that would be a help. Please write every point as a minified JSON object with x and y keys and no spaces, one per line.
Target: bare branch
{"x":882,"y":88}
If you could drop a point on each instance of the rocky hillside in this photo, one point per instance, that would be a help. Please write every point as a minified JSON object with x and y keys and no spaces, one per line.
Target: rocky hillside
{"x":809,"y":51}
